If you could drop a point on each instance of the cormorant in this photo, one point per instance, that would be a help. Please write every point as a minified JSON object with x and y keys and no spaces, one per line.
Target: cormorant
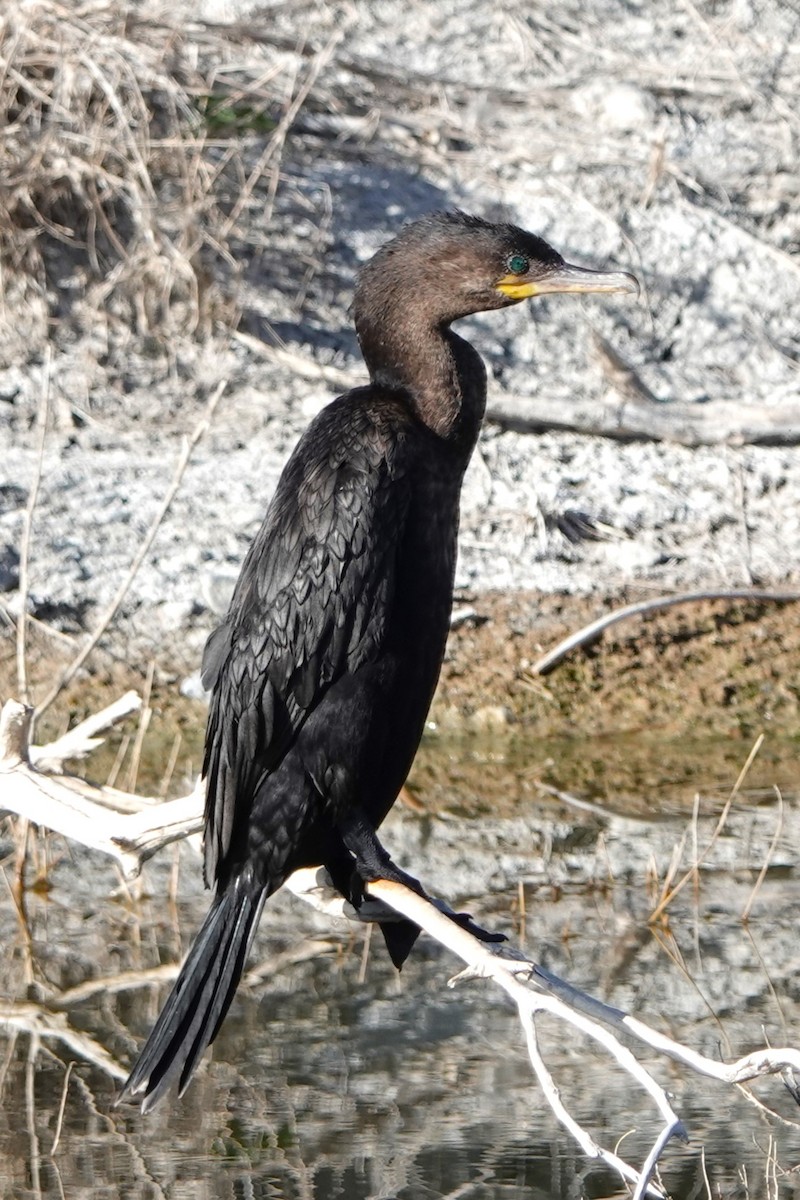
{"x":323,"y":670}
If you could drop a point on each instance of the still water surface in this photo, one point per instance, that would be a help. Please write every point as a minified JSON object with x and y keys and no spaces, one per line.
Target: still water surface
{"x":335,"y":1078}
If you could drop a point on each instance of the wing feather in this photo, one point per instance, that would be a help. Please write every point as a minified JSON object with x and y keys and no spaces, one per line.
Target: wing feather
{"x":312,"y":602}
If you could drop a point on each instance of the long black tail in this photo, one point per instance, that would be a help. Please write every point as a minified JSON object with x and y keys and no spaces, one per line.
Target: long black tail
{"x":202,"y":994}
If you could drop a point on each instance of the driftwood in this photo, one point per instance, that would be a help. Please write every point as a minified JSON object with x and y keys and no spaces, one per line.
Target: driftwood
{"x":630,"y":414}
{"x":101,"y":819}
{"x":725,"y":422}
{"x":129,"y":828}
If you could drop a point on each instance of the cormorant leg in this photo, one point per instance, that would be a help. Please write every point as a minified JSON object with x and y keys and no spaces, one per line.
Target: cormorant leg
{"x":374,"y":862}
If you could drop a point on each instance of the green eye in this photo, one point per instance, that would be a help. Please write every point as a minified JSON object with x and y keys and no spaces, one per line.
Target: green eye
{"x":517,"y":264}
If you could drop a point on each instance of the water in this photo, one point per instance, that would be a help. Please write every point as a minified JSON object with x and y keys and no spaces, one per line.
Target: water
{"x":335,"y":1078}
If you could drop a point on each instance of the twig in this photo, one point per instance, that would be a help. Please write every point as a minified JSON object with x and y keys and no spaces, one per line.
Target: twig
{"x":80,"y":740}
{"x":590,"y":632}
{"x":111,"y":611}
{"x":669,"y":896}
{"x":27,"y":525}
{"x":577,"y":802}
{"x":767,"y":860}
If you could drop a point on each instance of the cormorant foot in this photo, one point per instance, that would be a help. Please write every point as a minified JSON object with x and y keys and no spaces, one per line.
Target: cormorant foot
{"x":372,"y":861}
{"x":399,"y":935}
{"x":355,"y":890}
{"x":393,"y":874}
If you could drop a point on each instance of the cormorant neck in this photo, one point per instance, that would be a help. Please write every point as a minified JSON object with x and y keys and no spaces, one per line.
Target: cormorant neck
{"x":441,"y":375}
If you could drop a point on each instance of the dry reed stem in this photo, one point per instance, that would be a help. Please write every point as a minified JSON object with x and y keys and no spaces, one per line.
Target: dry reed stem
{"x":62,"y":1105}
{"x":145,"y":714}
{"x":107,"y":616}
{"x":25,"y":541}
{"x":669,"y":896}
{"x":767,"y":859}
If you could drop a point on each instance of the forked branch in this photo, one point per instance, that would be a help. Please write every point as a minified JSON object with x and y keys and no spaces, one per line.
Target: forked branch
{"x":129,"y":828}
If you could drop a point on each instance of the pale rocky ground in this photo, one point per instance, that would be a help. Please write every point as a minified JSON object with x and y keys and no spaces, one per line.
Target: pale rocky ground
{"x":656,"y":137}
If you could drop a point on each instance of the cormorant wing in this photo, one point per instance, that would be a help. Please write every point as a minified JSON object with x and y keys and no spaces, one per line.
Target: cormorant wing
{"x":311,"y":604}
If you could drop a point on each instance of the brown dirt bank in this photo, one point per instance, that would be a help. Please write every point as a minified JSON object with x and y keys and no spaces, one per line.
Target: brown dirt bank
{"x":733,"y":665}
{"x":659,"y":708}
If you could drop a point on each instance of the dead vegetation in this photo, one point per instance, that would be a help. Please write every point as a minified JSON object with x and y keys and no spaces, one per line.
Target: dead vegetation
{"x":128,"y":167}
{"x":140,"y":164}
{"x":106,"y":200}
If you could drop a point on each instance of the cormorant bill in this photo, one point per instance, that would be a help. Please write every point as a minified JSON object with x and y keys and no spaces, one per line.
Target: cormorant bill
{"x":322,"y":672}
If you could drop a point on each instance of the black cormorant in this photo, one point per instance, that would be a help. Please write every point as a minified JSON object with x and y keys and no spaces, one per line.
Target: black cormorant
{"x":323,"y":670}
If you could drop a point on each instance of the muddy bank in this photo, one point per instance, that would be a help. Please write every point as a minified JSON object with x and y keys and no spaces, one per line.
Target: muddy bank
{"x":660,"y":707}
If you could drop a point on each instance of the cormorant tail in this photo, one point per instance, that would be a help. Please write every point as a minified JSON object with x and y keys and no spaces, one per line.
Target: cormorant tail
{"x":202,"y":993}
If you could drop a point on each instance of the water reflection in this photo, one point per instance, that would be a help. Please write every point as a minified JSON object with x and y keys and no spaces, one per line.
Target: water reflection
{"x":330,"y":1087}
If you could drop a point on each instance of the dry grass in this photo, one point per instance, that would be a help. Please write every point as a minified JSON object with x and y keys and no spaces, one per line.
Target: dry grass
{"x":121,"y":173}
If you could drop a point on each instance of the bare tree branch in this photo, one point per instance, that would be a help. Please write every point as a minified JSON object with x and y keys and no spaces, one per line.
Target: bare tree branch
{"x":81,"y":739}
{"x":100,"y":818}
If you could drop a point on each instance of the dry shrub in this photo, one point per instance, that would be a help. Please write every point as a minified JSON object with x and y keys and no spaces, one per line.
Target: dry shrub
{"x":111,"y":187}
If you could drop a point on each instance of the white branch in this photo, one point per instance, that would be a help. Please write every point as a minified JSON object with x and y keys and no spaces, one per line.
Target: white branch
{"x":487,"y":961}
{"x":533,"y":990}
{"x":81,"y":740}
{"x":93,"y":816}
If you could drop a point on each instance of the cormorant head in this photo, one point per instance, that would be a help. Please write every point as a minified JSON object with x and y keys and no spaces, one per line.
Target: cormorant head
{"x":449,"y":264}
